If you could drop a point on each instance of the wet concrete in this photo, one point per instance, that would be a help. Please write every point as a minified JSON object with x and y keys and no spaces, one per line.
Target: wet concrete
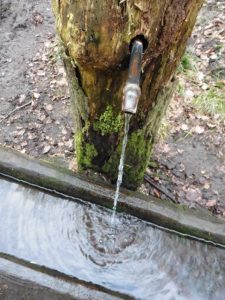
{"x":22,"y":280}
{"x":198,"y":223}
{"x":12,"y":288}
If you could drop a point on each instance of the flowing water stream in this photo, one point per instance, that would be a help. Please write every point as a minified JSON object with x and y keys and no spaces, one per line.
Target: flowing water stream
{"x":121,"y":164}
{"x":132,"y":257}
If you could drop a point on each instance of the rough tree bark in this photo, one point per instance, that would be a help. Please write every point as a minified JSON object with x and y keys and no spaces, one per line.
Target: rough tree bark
{"x":96,"y":36}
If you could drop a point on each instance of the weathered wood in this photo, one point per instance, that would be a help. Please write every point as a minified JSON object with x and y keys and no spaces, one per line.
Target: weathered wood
{"x":97,"y":36}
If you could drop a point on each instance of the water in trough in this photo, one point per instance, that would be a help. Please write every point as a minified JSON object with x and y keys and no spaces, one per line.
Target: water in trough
{"x":132,"y":257}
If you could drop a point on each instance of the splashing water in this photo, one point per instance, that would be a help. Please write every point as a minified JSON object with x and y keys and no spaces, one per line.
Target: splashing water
{"x":121,"y":164}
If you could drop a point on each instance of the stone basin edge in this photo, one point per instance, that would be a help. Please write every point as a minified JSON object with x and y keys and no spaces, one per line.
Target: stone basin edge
{"x":198,"y":223}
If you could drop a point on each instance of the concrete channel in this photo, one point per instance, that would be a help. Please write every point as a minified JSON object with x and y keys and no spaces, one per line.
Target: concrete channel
{"x":198,"y":223}
{"x":16,"y":273}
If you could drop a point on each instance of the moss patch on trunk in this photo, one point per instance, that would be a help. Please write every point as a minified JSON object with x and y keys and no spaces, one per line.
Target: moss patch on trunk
{"x":85,"y":152}
{"x":109,"y":122}
{"x":136,"y":160}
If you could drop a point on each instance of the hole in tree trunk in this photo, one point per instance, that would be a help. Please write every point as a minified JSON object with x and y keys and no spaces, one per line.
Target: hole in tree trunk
{"x":78,"y":75}
{"x":67,"y":52}
{"x":141,"y":38}
{"x":124,"y":64}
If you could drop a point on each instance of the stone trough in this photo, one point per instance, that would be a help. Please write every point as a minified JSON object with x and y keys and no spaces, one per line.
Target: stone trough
{"x":42,"y":236}
{"x":196,"y":223}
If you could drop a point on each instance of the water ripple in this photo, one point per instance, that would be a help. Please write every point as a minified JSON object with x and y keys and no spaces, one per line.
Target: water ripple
{"x":129,"y":256}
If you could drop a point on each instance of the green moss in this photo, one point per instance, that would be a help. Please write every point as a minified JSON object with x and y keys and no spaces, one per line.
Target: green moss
{"x":136,"y":161}
{"x":108,"y":122}
{"x":55,"y":7}
{"x":85,"y":152}
{"x":137,"y":158}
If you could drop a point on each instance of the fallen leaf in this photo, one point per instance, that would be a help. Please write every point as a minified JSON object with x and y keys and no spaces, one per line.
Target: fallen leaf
{"x":166,"y":148}
{"x":62,"y":82}
{"x":211,"y":125}
{"x":184,"y":127}
{"x":200,"y":76}
{"x":24,"y":144}
{"x":189,"y":94}
{"x":204,"y":57}
{"x":61,"y":70}
{"x":42,"y":117}
{"x":21,"y":132}
{"x":22,"y":98}
{"x":40,"y":73}
{"x":36,"y":95}
{"x":70,"y":145}
{"x":204,"y":86}
{"x":180,"y":151}
{"x":48,"y":121}
{"x":37,"y":18}
{"x":193,"y":195}
{"x":46,"y":149}
{"x":49,"y":107}
{"x":214,"y":56}
{"x":156,"y":193}
{"x":206,"y":186}
{"x":203,"y":118}
{"x":199,"y":129}
{"x":211,"y":203}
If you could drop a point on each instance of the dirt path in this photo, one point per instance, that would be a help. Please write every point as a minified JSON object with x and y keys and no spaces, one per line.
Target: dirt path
{"x":190,"y":161}
{"x":31,"y":73}
{"x":189,"y":164}
{"x":21,"y":36}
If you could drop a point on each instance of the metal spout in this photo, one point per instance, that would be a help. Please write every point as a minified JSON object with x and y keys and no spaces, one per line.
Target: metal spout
{"x":132,"y":91}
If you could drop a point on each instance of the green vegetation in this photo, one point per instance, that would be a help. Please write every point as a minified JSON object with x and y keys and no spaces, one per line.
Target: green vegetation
{"x":181,"y":88}
{"x":211,"y":101}
{"x":154,"y":165}
{"x":85,"y":152}
{"x":186,"y":72}
{"x":109,"y":122}
{"x":137,"y":153}
{"x":220,"y":48}
{"x":163,"y":130}
{"x":188,"y":62}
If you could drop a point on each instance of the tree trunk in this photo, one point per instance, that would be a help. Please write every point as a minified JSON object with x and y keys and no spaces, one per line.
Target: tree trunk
{"x":97,"y":37}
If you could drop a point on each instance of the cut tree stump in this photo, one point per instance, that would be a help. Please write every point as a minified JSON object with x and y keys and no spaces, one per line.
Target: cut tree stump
{"x":96,"y":38}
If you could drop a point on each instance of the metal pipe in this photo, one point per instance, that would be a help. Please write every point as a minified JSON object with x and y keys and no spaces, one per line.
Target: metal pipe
{"x":132,"y":91}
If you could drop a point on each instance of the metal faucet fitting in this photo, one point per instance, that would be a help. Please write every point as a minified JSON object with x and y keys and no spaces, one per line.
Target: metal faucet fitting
{"x":132,"y":91}
{"x":131,"y":94}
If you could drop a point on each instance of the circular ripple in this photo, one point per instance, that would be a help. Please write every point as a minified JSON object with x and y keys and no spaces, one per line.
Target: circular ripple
{"x":129,"y":255}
